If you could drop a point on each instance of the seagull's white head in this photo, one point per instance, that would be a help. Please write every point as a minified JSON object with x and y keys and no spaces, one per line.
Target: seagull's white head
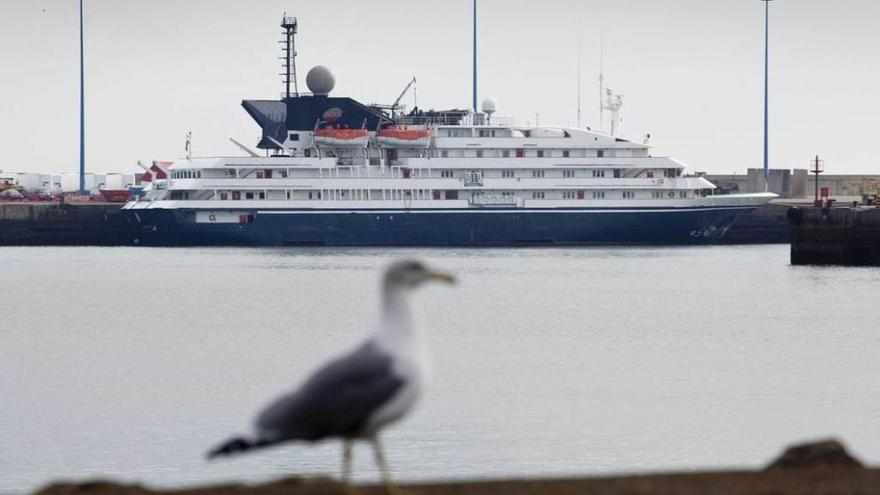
{"x":399,"y":327}
{"x":409,"y":274}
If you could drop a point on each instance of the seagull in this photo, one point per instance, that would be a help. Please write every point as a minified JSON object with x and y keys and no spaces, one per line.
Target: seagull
{"x":356,"y":395}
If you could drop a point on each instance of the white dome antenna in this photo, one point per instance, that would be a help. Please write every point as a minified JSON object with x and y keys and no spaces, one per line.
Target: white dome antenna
{"x":488,"y":106}
{"x":320,"y":80}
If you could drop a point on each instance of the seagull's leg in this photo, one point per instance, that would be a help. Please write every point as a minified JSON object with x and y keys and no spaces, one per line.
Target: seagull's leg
{"x":383,"y":466}
{"x":346,"y":463}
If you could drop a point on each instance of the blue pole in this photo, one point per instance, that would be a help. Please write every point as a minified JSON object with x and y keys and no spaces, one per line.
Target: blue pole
{"x":82,"y":107}
{"x":766,"y":54}
{"x":475,"y":55}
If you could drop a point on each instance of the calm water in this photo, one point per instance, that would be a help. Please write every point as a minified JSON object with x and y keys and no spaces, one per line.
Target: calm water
{"x":129,"y":363}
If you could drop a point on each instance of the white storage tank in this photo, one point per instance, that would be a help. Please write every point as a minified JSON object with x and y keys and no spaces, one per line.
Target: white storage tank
{"x":30,"y":181}
{"x":114,"y":181}
{"x":46,"y":183}
{"x":69,"y":183}
{"x":120,"y":181}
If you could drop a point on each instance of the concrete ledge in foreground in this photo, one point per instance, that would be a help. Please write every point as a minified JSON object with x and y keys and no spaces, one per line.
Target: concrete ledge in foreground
{"x":813,"y":481}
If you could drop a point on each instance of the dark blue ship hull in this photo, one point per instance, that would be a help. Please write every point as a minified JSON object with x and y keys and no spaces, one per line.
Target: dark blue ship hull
{"x":471,"y":227}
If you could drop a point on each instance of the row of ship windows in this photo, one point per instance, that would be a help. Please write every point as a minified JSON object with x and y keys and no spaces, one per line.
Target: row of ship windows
{"x":504,"y":153}
{"x":417,"y":194}
{"x":572,"y":173}
{"x":582,"y":195}
{"x":445,"y":173}
{"x":468,"y":132}
{"x":601,"y":194}
{"x":566,"y":174}
{"x":519,"y":153}
{"x":186,"y":174}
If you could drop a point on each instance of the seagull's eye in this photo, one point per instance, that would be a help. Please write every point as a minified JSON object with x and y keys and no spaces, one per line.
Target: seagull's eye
{"x":415,"y":266}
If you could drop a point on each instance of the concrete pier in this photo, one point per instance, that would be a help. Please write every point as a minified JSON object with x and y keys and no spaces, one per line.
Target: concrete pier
{"x":63,"y":224}
{"x":767,"y":224}
{"x":835,"y":236}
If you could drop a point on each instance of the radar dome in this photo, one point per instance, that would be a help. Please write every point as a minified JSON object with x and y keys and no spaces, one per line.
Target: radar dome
{"x":489,"y":105}
{"x":320,"y":80}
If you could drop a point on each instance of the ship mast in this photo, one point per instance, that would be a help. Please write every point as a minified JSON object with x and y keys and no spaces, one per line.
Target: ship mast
{"x":601,"y":81}
{"x":579,"y":81}
{"x":289,"y":25}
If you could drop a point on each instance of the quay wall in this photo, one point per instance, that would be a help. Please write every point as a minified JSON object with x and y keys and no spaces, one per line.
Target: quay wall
{"x":63,"y":224}
{"x":835,"y":236}
{"x":766,"y":224}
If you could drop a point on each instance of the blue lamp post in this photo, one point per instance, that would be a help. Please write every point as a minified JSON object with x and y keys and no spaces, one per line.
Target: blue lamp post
{"x":766,"y":66}
{"x":82,"y":107}
{"x":475,"y":58}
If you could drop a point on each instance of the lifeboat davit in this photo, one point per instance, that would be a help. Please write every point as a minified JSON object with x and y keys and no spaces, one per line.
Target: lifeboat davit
{"x":401,"y":137}
{"x":342,"y":138}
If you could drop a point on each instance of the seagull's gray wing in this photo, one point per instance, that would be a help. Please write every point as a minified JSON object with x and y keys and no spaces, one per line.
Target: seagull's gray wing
{"x":337,"y":400}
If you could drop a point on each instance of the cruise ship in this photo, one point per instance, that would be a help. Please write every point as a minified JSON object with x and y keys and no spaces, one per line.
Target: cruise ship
{"x":329,"y":170}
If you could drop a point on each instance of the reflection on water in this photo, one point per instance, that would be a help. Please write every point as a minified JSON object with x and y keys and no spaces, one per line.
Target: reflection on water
{"x":131,"y":362}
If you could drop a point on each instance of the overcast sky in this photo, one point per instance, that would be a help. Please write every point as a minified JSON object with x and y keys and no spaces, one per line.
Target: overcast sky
{"x":691,"y":72}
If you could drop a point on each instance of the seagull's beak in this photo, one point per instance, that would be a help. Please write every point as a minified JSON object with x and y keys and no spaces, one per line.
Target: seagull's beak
{"x":441,"y":276}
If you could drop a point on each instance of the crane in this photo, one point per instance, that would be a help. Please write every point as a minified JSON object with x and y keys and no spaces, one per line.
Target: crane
{"x":394,"y":107}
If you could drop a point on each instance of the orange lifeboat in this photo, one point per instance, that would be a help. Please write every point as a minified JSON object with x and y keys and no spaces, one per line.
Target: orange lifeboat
{"x":346,"y":138}
{"x":401,"y":137}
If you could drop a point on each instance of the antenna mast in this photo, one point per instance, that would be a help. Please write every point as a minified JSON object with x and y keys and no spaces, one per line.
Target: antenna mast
{"x":601,"y":81}
{"x":475,"y":56}
{"x":290,"y":27}
{"x":579,"y":81}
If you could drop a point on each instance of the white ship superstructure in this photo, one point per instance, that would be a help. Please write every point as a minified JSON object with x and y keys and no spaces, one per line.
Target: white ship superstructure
{"x":461,"y":166}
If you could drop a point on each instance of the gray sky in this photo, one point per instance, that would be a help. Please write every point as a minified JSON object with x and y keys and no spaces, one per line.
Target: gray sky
{"x":691,"y":71}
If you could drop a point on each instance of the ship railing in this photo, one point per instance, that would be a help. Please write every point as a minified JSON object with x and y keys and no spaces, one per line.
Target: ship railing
{"x":434,"y":118}
{"x":296,"y":95}
{"x":453,"y":119}
{"x":497,"y":121}
{"x":394,"y":173}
